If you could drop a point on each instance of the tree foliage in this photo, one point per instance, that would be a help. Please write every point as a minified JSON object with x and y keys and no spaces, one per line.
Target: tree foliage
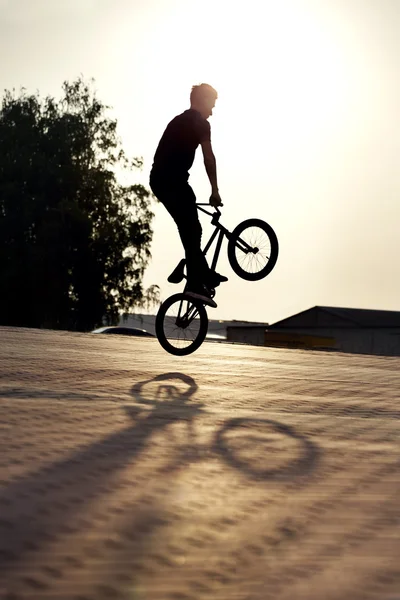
{"x":74,"y":241}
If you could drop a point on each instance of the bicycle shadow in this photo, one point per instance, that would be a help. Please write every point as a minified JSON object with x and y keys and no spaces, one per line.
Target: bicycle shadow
{"x":165,"y":395}
{"x":40,"y":508}
{"x":248,"y":445}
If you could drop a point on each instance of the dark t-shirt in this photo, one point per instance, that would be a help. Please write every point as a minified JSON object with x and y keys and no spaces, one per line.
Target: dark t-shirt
{"x":176,"y":150}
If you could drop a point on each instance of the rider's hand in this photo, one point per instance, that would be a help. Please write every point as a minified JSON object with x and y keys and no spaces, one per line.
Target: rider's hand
{"x":215,"y":200}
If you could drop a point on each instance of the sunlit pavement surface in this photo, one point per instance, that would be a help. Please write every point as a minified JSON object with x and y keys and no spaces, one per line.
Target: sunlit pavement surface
{"x":235,"y":473}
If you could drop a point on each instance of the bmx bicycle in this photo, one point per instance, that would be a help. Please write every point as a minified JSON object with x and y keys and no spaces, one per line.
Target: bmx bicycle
{"x":182,"y":322}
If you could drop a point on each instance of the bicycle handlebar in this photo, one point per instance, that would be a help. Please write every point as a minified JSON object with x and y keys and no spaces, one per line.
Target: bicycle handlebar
{"x":216,"y":209}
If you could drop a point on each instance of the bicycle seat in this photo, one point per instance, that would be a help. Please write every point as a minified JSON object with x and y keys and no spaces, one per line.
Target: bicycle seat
{"x":177,"y":274}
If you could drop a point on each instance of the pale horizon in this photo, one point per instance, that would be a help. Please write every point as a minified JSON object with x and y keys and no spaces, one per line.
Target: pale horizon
{"x":305,"y":131}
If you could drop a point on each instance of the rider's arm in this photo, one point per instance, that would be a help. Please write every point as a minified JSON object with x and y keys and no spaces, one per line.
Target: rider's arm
{"x":210,"y":165}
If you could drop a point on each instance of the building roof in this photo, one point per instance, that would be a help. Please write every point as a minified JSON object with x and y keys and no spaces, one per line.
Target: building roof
{"x":333,"y":316}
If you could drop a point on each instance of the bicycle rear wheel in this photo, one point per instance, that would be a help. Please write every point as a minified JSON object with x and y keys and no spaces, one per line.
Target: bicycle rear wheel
{"x":181,"y":324}
{"x":253,"y":249}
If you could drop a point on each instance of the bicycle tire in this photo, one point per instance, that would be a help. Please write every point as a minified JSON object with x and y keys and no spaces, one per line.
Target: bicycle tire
{"x":233,"y":248}
{"x":171,"y":335}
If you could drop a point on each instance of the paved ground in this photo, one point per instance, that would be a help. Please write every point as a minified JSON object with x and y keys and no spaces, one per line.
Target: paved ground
{"x":236,"y":473}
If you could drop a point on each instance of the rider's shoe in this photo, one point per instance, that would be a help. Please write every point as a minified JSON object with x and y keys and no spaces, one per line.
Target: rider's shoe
{"x":201,"y":293}
{"x":215,"y":279}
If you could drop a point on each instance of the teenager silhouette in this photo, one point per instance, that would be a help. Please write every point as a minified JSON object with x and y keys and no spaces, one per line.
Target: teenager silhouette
{"x":169,"y":182}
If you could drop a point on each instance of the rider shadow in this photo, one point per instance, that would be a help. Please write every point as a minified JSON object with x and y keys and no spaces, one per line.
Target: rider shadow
{"x":169,"y":400}
{"x":40,"y":507}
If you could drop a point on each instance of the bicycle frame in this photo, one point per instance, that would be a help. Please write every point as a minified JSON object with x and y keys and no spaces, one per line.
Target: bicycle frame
{"x":221,"y":231}
{"x":185,"y":318}
{"x":177,"y":274}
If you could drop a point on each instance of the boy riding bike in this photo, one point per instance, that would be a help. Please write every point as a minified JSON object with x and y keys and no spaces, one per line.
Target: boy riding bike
{"x":169,"y":182}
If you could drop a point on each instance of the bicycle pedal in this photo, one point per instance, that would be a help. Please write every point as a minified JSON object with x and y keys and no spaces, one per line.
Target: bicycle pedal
{"x":177,"y":274}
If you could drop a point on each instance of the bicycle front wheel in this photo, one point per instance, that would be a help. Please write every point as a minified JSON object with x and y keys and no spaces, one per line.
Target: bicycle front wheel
{"x":253,"y":249}
{"x":181,"y":324}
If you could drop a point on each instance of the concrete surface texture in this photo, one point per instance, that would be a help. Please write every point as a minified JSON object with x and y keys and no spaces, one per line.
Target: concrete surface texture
{"x":235,"y":473}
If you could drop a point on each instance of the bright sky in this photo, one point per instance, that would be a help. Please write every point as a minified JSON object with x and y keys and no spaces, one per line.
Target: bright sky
{"x":306,"y":130}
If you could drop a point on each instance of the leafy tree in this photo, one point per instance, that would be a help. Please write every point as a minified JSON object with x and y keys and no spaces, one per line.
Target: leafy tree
{"x":74,"y":241}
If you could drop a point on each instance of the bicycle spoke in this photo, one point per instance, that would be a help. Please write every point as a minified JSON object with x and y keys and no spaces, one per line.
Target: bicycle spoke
{"x":251,"y":262}
{"x":182,"y":325}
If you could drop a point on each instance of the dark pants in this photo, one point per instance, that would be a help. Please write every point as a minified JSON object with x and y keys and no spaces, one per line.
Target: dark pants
{"x":180,"y":202}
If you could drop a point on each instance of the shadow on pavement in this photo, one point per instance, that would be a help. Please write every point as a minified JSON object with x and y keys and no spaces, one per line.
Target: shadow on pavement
{"x":280,"y":451}
{"x":259,"y":448}
{"x":40,"y":508}
{"x":164,"y":390}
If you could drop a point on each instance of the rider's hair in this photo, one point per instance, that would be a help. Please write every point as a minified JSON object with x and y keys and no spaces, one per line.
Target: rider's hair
{"x":200,"y":91}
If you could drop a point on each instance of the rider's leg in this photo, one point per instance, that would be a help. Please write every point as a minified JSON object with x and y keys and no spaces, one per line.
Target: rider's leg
{"x":180,"y":201}
{"x":190,"y":231}
{"x":181,"y":204}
